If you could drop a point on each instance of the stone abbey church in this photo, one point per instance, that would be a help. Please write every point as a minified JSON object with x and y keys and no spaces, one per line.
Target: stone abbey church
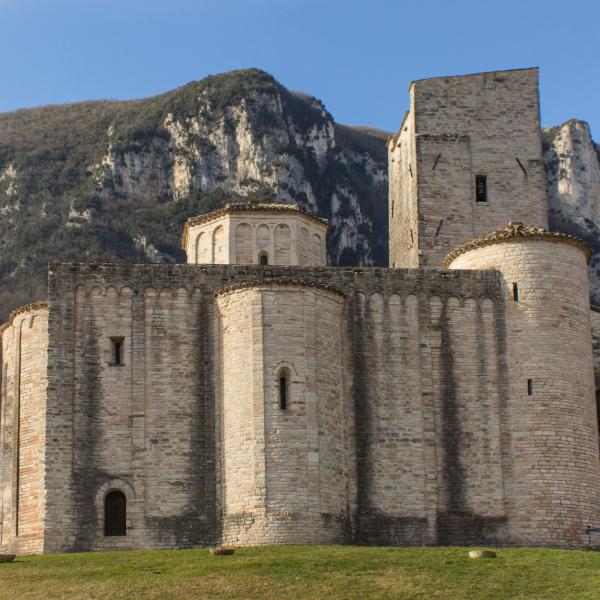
{"x":257,"y":396}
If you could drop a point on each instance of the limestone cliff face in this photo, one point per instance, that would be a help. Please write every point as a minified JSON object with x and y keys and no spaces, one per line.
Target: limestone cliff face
{"x":116,"y":181}
{"x":260,"y":146}
{"x":573,"y":173}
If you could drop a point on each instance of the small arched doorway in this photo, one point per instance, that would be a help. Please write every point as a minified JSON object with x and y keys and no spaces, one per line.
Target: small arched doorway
{"x":115,"y":514}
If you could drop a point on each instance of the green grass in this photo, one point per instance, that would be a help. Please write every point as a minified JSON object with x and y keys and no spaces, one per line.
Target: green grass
{"x":306,"y":572}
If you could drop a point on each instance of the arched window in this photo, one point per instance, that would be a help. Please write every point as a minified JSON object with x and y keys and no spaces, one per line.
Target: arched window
{"x":244,"y":248}
{"x":218,"y":245}
{"x":117,"y":351}
{"x":303,"y":246}
{"x":115,"y":514}
{"x":283,"y":391}
{"x":282,"y":245}
{"x":263,"y":258}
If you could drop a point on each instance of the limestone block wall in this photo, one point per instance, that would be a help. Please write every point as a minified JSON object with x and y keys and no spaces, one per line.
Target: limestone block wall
{"x":240,"y":420}
{"x":553,"y":430}
{"x":143,"y":427}
{"x":403,"y":215}
{"x":429,"y":415}
{"x":364,"y":453}
{"x":595,"y":319}
{"x":22,"y":430}
{"x":460,"y":127}
{"x":209,"y":243}
{"x":282,"y":237}
{"x":408,"y":423}
{"x":284,"y":471}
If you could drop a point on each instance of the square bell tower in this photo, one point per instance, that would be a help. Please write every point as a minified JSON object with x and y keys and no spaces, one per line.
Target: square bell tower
{"x":467,"y":159}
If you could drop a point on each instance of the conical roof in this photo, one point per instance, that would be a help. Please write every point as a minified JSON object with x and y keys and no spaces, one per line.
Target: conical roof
{"x":514,"y":231}
{"x":235,"y":208}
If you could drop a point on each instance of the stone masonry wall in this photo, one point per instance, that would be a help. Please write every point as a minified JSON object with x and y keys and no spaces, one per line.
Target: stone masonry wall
{"x":240,"y":409}
{"x":483,"y":124}
{"x":306,"y":473}
{"x":286,"y":469}
{"x":595,"y":318}
{"x":408,"y":419}
{"x":410,"y":428}
{"x":285,"y":238}
{"x":403,"y":215}
{"x":553,"y":426}
{"x":145,"y":427}
{"x":428,"y":392}
{"x":22,"y":431}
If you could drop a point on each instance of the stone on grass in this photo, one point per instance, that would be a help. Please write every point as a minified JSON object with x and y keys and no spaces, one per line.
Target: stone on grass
{"x":5,"y":558}
{"x":222,"y":551}
{"x":482,"y":554}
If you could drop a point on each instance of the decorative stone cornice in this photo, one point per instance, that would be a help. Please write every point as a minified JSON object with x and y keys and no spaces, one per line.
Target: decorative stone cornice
{"x":516,"y":231}
{"x":238,"y":208}
{"x":278,"y":283}
{"x":19,"y":311}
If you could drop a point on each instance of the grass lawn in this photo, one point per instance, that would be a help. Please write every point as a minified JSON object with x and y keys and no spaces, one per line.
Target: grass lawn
{"x":305,"y":572}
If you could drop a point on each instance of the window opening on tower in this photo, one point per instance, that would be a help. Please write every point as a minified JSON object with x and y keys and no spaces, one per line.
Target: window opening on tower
{"x":481,"y":191}
{"x":117,"y":351}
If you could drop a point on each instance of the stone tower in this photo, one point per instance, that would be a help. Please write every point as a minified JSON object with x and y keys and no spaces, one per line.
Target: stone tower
{"x":278,"y":346}
{"x":554,"y":472}
{"x":283,"y":456}
{"x":467,"y":159}
{"x":256,"y":234}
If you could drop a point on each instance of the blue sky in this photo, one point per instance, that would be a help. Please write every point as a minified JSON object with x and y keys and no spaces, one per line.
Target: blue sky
{"x":358,"y":57}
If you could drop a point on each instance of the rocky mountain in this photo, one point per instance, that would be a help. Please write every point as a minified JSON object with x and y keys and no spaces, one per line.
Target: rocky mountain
{"x":115,"y":181}
{"x":572,"y":162}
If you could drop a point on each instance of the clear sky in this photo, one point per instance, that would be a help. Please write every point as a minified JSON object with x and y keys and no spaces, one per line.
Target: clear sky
{"x":357,"y":56}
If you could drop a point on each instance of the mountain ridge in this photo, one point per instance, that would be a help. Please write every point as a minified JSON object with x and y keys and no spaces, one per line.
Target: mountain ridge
{"x":114,"y":180}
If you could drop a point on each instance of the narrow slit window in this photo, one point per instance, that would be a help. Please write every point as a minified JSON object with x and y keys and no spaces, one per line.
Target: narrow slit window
{"x":515,"y":290}
{"x":117,"y":351}
{"x":530,"y":387}
{"x":283,"y":392}
{"x":115,"y":514}
{"x":481,"y":192}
